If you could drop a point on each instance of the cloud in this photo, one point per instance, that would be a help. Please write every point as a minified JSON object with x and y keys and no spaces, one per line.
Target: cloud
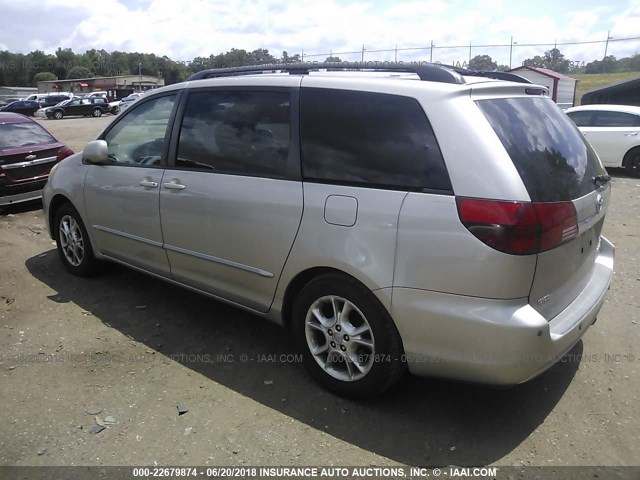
{"x":203,"y":27}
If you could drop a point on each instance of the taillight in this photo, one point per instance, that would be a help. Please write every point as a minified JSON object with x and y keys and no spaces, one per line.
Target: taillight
{"x":519,"y":228}
{"x":64,"y":153}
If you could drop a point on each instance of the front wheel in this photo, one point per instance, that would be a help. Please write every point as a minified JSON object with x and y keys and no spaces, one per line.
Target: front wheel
{"x":97,"y":112}
{"x":58,"y":115}
{"x":73,"y":242}
{"x":349,"y":341}
{"x":631,"y":162}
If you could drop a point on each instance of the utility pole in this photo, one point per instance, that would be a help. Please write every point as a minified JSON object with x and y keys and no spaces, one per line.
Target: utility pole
{"x":396,"y":55}
{"x":606,"y":45}
{"x":302,"y":56}
{"x":511,"y":44}
{"x":140,"y":75}
{"x":469,"y":53}
{"x":431,"y":53}
{"x":362,"y":58}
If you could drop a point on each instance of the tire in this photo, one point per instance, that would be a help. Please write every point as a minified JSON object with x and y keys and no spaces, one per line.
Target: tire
{"x":367,"y":336}
{"x":73,"y":242}
{"x":631,"y":162}
{"x":115,"y":110}
{"x":97,"y":112}
{"x":58,"y":115}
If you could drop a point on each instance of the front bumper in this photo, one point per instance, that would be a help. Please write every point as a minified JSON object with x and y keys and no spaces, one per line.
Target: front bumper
{"x":499,"y":342}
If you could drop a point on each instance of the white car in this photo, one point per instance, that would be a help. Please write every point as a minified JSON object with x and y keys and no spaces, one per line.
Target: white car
{"x":613,"y":131}
{"x":126,"y":102}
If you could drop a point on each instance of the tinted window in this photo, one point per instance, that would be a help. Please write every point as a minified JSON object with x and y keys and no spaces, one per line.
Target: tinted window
{"x":582,"y":118}
{"x":616,"y":119}
{"x":139,"y":138}
{"x":369,"y":138}
{"x":553,"y":158}
{"x":14,"y":135}
{"x":236,"y":132}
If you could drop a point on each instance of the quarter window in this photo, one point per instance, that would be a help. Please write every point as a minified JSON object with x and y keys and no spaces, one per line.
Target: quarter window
{"x":374,"y":139}
{"x":140,"y":137}
{"x":236,"y":132}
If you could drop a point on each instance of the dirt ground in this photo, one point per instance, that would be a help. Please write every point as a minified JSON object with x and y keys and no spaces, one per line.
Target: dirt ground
{"x":135,"y":347}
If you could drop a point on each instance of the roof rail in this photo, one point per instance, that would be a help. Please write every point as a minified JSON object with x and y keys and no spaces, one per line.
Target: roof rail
{"x":426,"y":71}
{"x":509,"y":77}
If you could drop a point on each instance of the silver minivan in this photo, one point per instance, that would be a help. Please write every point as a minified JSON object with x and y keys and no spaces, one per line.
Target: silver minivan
{"x":424,"y":218}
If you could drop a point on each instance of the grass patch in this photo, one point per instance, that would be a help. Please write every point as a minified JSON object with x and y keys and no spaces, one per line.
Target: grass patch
{"x":589,"y":81}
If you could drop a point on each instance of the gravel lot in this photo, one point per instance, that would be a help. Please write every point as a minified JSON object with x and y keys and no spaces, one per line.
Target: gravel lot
{"x":135,"y":347}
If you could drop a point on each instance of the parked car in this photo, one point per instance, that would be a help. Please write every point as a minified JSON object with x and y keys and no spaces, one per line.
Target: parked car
{"x":39,"y":96}
{"x":24,"y":107}
{"x":346,"y":208}
{"x":27,"y":154}
{"x":51,"y":100}
{"x":94,"y":107}
{"x":127,"y":101}
{"x":613,"y":131}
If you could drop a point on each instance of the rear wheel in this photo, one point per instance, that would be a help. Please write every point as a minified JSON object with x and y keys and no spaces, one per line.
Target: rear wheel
{"x":73,"y":242}
{"x":350,"y":344}
{"x":58,"y":115}
{"x":97,"y":112}
{"x":631,"y":162}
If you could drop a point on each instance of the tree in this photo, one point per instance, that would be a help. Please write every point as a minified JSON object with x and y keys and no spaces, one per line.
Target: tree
{"x":79,"y":72}
{"x":44,"y":77}
{"x":483,"y":63}
{"x":555,"y":61}
{"x":286,"y":58}
{"x":607,"y":65}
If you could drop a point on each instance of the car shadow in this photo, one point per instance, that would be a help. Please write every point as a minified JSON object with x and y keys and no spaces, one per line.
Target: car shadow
{"x":419,"y":422}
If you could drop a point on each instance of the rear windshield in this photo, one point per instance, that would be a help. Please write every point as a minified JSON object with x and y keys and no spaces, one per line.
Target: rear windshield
{"x":14,"y":135}
{"x":554,"y":160}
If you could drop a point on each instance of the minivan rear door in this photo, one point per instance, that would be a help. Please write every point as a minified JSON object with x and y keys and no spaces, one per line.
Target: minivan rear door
{"x":556,"y":164}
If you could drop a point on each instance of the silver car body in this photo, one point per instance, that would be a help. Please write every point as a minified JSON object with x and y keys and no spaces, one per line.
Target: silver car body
{"x":463,"y":309}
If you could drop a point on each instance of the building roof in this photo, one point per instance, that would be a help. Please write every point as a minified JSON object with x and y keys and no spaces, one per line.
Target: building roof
{"x":544,"y":71}
{"x":616,"y":87}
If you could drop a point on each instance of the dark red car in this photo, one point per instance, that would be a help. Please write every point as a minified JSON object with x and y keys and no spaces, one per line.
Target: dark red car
{"x":27,"y":154}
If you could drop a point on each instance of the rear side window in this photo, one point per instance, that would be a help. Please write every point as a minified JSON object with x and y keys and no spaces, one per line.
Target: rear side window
{"x":236,"y":132}
{"x":551,"y":155}
{"x":373,"y":139}
{"x":616,"y":119}
{"x":582,"y":118}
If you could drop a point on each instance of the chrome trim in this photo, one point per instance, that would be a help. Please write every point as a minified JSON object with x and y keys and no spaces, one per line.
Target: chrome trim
{"x":20,"y":197}
{"x":28,"y":164}
{"x":127,"y":235}
{"x":229,"y":263}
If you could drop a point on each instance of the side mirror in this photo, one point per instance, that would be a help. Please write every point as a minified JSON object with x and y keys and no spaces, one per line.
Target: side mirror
{"x":96,"y":152}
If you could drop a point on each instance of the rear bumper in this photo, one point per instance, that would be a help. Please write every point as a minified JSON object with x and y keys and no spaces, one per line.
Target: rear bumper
{"x":500,"y":342}
{"x":21,"y":192}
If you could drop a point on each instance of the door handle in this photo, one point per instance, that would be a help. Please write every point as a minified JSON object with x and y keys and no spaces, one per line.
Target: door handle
{"x":631,"y":134}
{"x":174,"y":185}
{"x":148,"y":184}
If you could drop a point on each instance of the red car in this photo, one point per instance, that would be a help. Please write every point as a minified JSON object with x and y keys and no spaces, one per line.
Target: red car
{"x":27,"y":154}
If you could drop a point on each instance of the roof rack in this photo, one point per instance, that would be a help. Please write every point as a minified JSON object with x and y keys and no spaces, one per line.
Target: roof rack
{"x":507,"y":76}
{"x":430,"y":72}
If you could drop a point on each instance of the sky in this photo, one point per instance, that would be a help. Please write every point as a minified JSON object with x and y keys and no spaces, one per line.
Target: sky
{"x":184,"y":29}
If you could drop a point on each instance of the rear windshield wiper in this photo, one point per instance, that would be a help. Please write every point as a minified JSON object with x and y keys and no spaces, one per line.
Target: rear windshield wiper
{"x":600,"y":180}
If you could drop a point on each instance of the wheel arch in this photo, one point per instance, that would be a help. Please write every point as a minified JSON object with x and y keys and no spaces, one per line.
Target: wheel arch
{"x":54,"y":205}
{"x":303,"y":278}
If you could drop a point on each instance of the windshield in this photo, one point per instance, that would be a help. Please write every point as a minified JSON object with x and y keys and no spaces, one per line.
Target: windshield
{"x":552,"y":157}
{"x":14,"y":135}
